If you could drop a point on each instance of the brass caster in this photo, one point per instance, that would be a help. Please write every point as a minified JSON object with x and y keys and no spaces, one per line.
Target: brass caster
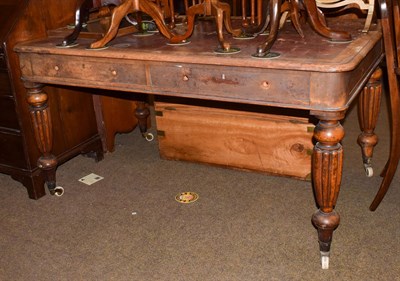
{"x":58,"y":191}
{"x":148,"y":136}
{"x":325,"y":260}
{"x":369,"y":171}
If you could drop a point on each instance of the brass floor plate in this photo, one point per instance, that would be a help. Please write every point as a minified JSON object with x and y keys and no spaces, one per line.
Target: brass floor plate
{"x":186,"y":197}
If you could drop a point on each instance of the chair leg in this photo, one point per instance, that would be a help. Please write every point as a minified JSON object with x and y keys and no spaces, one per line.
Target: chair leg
{"x":117,"y":15}
{"x":390,"y":39}
{"x":391,"y":165}
{"x":320,"y":27}
{"x":274,"y":15}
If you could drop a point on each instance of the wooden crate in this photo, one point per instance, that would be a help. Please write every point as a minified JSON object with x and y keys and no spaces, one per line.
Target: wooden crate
{"x":270,"y":143}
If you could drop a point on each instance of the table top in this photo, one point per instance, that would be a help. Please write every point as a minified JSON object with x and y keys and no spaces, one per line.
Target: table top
{"x":310,"y":73}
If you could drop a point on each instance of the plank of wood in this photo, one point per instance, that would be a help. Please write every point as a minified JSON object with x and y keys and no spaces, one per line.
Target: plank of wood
{"x":273,"y":144}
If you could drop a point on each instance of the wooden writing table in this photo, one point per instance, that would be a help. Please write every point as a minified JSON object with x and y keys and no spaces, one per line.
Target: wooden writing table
{"x":311,"y":74}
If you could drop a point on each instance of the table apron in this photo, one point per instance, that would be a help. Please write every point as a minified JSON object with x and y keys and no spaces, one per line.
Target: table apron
{"x":263,"y":86}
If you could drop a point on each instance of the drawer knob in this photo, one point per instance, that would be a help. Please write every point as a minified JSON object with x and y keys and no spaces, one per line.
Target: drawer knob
{"x":114,"y":72}
{"x":56,"y":68}
{"x":265,"y":85}
{"x":185,"y":78}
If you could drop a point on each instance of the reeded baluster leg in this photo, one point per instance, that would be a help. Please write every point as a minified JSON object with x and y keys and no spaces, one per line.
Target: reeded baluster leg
{"x":327,"y":167}
{"x":142,"y":113}
{"x":368,"y":111}
{"x":41,"y":121}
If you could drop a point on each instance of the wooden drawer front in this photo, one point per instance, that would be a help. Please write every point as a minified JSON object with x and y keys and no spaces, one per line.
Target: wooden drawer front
{"x":98,"y":72}
{"x":279,"y":145}
{"x":5,"y":87}
{"x":232,"y":83}
{"x":8,"y":115}
{"x":12,"y":150}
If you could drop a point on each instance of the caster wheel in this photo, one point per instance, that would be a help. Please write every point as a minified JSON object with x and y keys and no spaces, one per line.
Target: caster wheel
{"x":369,"y":172}
{"x":325,"y":260}
{"x":58,"y":191}
{"x":148,"y":136}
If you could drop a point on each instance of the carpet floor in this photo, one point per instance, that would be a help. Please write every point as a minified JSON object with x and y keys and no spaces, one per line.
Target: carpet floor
{"x":244,"y":226}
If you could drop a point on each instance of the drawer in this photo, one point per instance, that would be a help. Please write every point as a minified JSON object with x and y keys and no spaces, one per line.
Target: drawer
{"x":232,"y":84}
{"x":12,"y":150}
{"x":8,"y":114}
{"x":98,"y":72}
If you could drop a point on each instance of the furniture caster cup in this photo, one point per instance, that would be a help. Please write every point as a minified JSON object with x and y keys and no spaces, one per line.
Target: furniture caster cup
{"x":57,"y":191}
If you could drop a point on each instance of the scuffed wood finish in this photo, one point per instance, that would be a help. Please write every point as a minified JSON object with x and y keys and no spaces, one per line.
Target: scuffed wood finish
{"x":269,"y":143}
{"x":368,"y":111}
{"x":148,"y":65}
{"x":312,"y":74}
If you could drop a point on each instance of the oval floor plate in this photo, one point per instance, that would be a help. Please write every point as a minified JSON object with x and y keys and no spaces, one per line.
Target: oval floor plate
{"x":186,"y":197}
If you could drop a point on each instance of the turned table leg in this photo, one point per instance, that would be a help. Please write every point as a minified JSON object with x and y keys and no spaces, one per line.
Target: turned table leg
{"x":368,"y":111}
{"x":142,"y":114}
{"x":41,"y":121}
{"x":327,"y":169}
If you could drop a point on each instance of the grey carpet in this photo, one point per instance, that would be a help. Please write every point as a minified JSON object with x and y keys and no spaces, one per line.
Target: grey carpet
{"x":245,"y":226}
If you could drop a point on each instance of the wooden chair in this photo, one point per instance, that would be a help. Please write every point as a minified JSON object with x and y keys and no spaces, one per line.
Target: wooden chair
{"x":390,"y":21}
{"x":367,"y":6}
{"x":159,"y":9}
{"x":255,"y":13}
{"x":221,"y":11}
{"x":315,"y":18}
